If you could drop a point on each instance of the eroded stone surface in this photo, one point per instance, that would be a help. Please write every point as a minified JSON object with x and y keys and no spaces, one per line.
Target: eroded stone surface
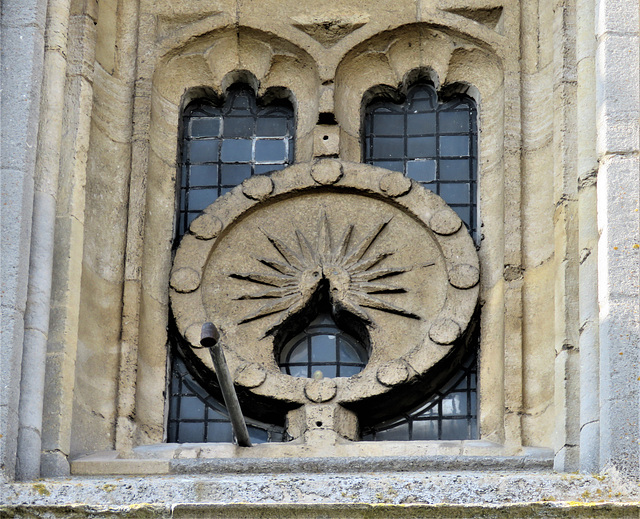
{"x":206,"y":227}
{"x":321,"y":390}
{"x":395,"y":184}
{"x":250,"y":375}
{"x":444,"y":331}
{"x":257,"y":187}
{"x":392,"y":373}
{"x":185,"y":279}
{"x":445,"y":222}
{"x":326,"y":172}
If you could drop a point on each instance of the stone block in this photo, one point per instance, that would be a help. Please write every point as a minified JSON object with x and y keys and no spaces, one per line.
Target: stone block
{"x":616,"y":16}
{"x":619,"y":132}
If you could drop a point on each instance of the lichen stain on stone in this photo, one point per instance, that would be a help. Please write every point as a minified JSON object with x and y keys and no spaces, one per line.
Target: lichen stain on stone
{"x":41,"y":489}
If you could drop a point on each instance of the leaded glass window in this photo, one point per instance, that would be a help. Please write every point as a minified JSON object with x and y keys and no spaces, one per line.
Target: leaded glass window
{"x":430,"y":140}
{"x":323,"y":347}
{"x":435,"y":142}
{"x":222,"y":144}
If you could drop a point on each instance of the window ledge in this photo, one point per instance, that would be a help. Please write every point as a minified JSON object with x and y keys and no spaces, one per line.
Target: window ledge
{"x":341,"y":457}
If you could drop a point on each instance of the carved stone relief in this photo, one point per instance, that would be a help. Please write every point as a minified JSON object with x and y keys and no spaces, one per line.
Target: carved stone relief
{"x":388,"y":259}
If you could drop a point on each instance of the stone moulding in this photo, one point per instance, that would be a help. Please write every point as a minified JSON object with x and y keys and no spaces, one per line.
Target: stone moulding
{"x":372,"y":244}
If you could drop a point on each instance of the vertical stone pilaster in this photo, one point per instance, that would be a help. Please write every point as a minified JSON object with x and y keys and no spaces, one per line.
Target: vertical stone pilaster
{"x":565,"y":201}
{"x":618,"y":135}
{"x":67,"y":262}
{"x":587,"y":170}
{"x":21,"y":55}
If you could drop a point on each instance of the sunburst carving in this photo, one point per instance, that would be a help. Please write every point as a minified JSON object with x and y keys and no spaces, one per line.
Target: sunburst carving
{"x":354,"y":278}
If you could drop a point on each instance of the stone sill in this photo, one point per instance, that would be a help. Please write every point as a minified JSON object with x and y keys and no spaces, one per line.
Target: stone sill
{"x":302,"y":511}
{"x":341,"y":457}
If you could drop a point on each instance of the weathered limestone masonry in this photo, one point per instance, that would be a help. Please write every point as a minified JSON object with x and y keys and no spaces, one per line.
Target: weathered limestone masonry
{"x":92,"y":95}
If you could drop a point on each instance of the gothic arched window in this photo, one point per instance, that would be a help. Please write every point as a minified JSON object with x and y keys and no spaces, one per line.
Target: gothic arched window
{"x":431,"y":141}
{"x":222,"y":145}
{"x":434,"y":142}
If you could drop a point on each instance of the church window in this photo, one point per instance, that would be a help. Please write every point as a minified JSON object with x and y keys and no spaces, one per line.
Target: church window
{"x":222,"y":145}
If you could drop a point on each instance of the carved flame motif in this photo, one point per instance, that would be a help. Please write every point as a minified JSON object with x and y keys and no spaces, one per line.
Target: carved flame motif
{"x":353,"y":280}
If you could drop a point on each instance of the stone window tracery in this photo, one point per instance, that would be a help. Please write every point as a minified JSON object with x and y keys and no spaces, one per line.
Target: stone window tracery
{"x":208,"y":132}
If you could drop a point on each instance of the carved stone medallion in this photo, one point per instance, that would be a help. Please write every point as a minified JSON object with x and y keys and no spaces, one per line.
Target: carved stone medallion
{"x":388,"y":259}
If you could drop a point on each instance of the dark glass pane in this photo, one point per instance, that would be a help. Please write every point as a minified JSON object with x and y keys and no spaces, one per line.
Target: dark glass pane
{"x":400,"y":432}
{"x":267,"y":168}
{"x":388,"y":124}
{"x":462,"y":385}
{"x":191,"y":408}
{"x":455,"y":429}
{"x":455,"y":193}
{"x":205,"y":127}
{"x":421,"y":147}
{"x":323,"y":348}
{"x":173,"y":432}
{"x":454,"y":404}
{"x":234,"y":174}
{"x":388,"y":147}
{"x":454,"y":169}
{"x":454,"y":121}
{"x":225,"y":190}
{"x":271,"y":126}
{"x":454,"y":146}
{"x":300,"y":353}
{"x":271,"y":150}
{"x":240,"y":100}
{"x":298,"y":371}
{"x":191,"y":217}
{"x":422,"y":170}
{"x":347,"y":352}
{"x":215,"y":414}
{"x":191,"y":432}
{"x":199,"y":199}
{"x":430,"y":410}
{"x":349,"y":371}
{"x":419,"y":124}
{"x":397,"y":165}
{"x":184,"y":174}
{"x":236,"y":150}
{"x":464,"y":213}
{"x":258,"y":435}
{"x":219,"y":432}
{"x":183,"y":200}
{"x":173,"y":408}
{"x":425,"y":430}
{"x":238,"y":126}
{"x":203,"y":151}
{"x":422,"y":99}
{"x":206,"y":175}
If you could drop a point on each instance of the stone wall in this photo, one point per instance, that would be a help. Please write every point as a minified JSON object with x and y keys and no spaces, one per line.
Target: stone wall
{"x":91,"y":104}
